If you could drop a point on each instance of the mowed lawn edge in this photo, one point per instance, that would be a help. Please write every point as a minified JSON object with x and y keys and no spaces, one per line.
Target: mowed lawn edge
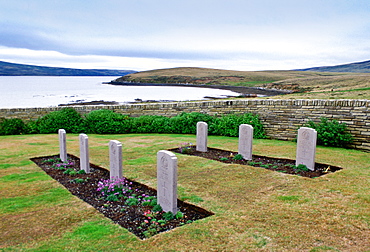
{"x":255,"y":209}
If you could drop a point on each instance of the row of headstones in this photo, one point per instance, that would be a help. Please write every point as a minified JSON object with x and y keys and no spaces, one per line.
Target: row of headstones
{"x":167,"y":161}
{"x":306,"y":143}
{"x":115,"y":154}
{"x":166,"y":168}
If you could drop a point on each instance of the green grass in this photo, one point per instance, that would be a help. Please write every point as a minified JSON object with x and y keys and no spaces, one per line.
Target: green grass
{"x":21,"y":203}
{"x":291,"y":198}
{"x":249,"y":83}
{"x":343,"y":91}
{"x":24,"y":177}
{"x":22,"y":163}
{"x":255,"y":209}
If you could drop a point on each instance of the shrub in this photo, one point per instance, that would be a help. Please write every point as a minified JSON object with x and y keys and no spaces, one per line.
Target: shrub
{"x":13,"y":126}
{"x":67,"y":118}
{"x":105,"y":121}
{"x":150,"y":124}
{"x":331,"y":133}
{"x":228,"y":125}
{"x":32,"y":127}
{"x":186,"y":123}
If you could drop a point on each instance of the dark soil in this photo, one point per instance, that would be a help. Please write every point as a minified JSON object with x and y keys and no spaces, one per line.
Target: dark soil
{"x":130,"y":217}
{"x":83,"y":103}
{"x":274,"y":164}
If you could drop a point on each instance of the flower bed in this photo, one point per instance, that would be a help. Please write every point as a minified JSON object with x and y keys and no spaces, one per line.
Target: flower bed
{"x":127,"y":202}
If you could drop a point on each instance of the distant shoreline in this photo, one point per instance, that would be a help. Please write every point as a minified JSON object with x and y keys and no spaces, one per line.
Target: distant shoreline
{"x":244,"y":91}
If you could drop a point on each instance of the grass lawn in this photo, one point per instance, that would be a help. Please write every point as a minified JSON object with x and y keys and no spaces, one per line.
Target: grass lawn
{"x":255,"y":209}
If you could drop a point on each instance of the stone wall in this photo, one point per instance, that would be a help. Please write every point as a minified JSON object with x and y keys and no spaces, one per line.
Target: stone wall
{"x":281,"y":118}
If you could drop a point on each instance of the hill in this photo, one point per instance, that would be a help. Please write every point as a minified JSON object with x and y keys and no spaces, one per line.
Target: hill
{"x":12,"y":69}
{"x":302,"y":84}
{"x":208,"y":76}
{"x":357,"y":67}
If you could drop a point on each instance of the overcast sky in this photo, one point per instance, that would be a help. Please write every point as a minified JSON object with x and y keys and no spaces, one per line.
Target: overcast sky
{"x":152,"y":34}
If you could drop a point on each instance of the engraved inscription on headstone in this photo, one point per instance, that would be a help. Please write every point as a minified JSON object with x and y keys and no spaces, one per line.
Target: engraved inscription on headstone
{"x":115,"y":159}
{"x":245,"y":141}
{"x":306,"y":147}
{"x":167,"y":181}
{"x":202,"y":136}
{"x":84,"y":153}
{"x":62,"y":145}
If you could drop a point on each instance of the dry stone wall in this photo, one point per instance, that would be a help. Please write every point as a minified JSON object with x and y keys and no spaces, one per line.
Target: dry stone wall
{"x":281,"y":118}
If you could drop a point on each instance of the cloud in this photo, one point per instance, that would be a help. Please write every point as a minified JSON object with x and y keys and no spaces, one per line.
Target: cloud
{"x":143,"y":34}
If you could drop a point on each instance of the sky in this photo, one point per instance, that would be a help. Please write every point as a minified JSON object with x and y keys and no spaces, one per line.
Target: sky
{"x":247,"y":35}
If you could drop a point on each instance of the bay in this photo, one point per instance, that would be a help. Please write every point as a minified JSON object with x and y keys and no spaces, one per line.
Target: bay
{"x":49,"y":91}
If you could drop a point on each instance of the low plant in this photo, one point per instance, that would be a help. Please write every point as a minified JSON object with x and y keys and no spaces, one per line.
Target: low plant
{"x":154,"y":219}
{"x":70,"y":171}
{"x":60,"y":165}
{"x":132,"y":200}
{"x":252,"y":163}
{"x":168,"y":216}
{"x":186,"y":148}
{"x":115,"y":189}
{"x":224,"y":159}
{"x":179,"y":215}
{"x":79,"y":180}
{"x":298,"y":168}
{"x":238,"y":157}
{"x":149,"y":201}
{"x":52,"y":160}
{"x":157,"y":208}
{"x":301,"y":167}
{"x":112,"y":197}
{"x":267,"y":166}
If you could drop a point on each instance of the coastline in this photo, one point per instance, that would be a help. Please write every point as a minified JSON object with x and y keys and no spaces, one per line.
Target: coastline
{"x":246,"y":91}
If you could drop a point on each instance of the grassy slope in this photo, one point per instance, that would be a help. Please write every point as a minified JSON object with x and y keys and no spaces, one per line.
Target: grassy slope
{"x":255,"y":209}
{"x":318,"y":85}
{"x":357,"y":67}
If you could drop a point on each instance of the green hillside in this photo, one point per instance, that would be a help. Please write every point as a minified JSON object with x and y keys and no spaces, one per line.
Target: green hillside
{"x":303,"y":84}
{"x":358,"y":67}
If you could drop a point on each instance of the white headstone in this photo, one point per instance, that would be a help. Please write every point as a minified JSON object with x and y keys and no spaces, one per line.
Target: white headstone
{"x":245,"y":141}
{"x":306,"y":147}
{"x":202,"y":135}
{"x":84,"y":153}
{"x":167,"y":181}
{"x":115,"y":160}
{"x":62,"y":145}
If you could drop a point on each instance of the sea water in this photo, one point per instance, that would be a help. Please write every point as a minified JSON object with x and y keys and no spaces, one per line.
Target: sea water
{"x":48,"y":91}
